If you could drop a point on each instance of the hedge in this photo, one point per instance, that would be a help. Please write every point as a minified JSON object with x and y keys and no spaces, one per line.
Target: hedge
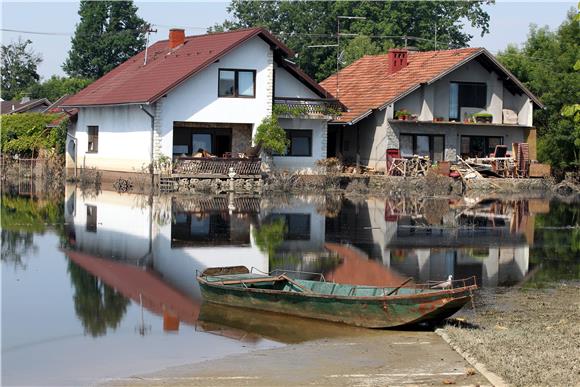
{"x":25,"y":134}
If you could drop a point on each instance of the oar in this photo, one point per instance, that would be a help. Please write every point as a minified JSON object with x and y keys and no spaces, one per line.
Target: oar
{"x":400,"y":286}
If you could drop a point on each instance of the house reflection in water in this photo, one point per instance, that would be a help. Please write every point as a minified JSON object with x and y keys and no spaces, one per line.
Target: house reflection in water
{"x":150,"y":249}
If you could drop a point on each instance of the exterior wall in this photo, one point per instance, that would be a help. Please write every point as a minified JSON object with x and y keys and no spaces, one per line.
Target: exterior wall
{"x":241,"y":139}
{"x":122,"y":227}
{"x":124,"y":138}
{"x":319,"y":144}
{"x":196,"y":100}
{"x":285,"y":85}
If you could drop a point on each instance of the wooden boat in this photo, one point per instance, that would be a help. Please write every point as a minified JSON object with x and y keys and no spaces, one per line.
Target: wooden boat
{"x":365,"y":306}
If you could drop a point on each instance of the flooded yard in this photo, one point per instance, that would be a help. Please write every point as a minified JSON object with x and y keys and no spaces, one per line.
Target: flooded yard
{"x":99,"y":286}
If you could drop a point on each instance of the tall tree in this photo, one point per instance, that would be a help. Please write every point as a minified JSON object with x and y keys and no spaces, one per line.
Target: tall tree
{"x":548,"y":64}
{"x":109,"y":33}
{"x":301,"y":24}
{"x":55,"y":87}
{"x":19,"y":68}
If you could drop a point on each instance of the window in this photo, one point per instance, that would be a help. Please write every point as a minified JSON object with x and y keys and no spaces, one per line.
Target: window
{"x":93,"y":146}
{"x":479,"y":146}
{"x":422,"y":145}
{"x":237,"y":83}
{"x":300,"y":143}
{"x":463,"y":94}
{"x":91,"y":218}
{"x":297,"y":226}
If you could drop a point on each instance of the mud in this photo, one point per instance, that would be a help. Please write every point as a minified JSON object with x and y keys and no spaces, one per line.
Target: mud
{"x":373,"y":359}
{"x":530,"y":337}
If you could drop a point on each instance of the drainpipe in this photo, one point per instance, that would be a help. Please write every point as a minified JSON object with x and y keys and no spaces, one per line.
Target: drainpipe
{"x":74,"y":140}
{"x":151,"y":169}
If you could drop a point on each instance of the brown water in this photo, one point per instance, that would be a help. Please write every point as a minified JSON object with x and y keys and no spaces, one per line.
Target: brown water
{"x":103,"y":286}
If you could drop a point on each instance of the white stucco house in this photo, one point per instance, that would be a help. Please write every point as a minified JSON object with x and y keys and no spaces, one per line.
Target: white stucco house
{"x":200,"y":92}
{"x":439,"y":91}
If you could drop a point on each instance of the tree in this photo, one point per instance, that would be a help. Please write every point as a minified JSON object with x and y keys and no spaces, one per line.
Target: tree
{"x":19,"y":68}
{"x":109,"y":33}
{"x":55,"y":87}
{"x":547,"y":64}
{"x":301,"y":24}
{"x":271,"y":135}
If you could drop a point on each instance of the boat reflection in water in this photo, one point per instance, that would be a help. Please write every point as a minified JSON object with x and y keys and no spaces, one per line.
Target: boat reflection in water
{"x":149,"y":250}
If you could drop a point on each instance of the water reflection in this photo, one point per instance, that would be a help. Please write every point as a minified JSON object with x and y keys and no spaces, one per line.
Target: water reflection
{"x":131,"y":261}
{"x":150,"y":249}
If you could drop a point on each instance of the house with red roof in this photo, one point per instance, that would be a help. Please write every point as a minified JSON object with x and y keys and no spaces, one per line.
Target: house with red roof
{"x":426,"y":104}
{"x":207,"y":92}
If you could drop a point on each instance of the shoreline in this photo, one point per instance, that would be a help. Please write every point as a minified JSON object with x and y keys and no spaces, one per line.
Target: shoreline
{"x":527,"y":336}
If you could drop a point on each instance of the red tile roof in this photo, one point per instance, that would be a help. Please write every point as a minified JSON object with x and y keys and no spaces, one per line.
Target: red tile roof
{"x":366,"y":85}
{"x":134,"y":82}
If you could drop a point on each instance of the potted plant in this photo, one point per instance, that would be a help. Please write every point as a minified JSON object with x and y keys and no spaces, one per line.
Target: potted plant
{"x":402,"y":114}
{"x":438,"y":119}
{"x":483,"y":117}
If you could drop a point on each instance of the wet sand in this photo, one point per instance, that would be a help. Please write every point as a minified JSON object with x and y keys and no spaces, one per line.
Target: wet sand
{"x":530,"y":337}
{"x":369,"y":358}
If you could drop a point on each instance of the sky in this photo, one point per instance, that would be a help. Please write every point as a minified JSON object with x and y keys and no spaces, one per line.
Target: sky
{"x":509,"y":23}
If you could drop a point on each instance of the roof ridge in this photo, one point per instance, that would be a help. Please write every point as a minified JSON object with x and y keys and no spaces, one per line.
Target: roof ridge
{"x":216,"y":33}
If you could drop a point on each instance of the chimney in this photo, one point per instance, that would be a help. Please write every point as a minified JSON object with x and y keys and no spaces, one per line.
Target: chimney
{"x":397,"y":59}
{"x":176,"y":37}
{"x":25,"y":99}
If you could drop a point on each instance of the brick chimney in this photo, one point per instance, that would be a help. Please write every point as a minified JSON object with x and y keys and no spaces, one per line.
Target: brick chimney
{"x":176,"y":37}
{"x":397,"y":59}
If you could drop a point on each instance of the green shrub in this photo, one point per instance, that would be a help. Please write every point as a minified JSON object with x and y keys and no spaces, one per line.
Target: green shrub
{"x":271,"y":135}
{"x":27,"y":133}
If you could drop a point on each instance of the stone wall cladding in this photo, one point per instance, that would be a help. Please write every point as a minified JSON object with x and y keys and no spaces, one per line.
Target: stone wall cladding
{"x":324,"y":142}
{"x":157,"y":124}
{"x":270,"y":83}
{"x":241,"y":139}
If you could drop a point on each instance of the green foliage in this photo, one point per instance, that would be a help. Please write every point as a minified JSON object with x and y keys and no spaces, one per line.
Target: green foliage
{"x":18,"y":69}
{"x":271,"y":135}
{"x":270,"y":236}
{"x":97,"y":305}
{"x":401,"y":113}
{"x":548,"y":65}
{"x":26,"y":133}
{"x":557,"y":249}
{"x":304,"y":23}
{"x":24,"y":214}
{"x":109,"y":33}
{"x":55,"y":87}
{"x":298,"y":111}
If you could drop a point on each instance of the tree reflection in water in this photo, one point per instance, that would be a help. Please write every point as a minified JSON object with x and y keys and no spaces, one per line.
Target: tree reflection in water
{"x":16,"y":245}
{"x":97,"y":305}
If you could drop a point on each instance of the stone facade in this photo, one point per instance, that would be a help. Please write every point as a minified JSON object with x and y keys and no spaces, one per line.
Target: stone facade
{"x":241,"y":139}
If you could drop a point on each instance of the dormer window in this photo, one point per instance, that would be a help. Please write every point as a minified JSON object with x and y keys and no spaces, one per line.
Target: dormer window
{"x":237,"y":83}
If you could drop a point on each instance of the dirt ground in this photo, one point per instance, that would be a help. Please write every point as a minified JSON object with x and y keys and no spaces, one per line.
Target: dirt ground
{"x":530,"y":337}
{"x":375,"y":358}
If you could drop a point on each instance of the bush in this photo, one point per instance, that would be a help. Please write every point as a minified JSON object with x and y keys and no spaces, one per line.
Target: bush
{"x":26,"y":134}
{"x":271,"y":135}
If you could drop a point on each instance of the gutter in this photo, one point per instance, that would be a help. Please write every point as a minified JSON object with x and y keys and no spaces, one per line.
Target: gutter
{"x":151,"y":169}
{"x":75,"y":141}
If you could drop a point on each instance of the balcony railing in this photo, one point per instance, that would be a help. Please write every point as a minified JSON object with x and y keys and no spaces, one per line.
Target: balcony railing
{"x":216,"y":166}
{"x":304,"y":107}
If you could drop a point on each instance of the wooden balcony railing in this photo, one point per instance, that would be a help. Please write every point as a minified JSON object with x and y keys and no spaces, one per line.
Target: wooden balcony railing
{"x":297,"y":107}
{"x":216,"y":166}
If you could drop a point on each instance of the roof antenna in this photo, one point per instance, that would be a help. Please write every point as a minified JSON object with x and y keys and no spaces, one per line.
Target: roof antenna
{"x":148,"y":31}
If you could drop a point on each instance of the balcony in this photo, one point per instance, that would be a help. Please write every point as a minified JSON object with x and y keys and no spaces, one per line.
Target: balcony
{"x":216,"y":167}
{"x":309,"y":108}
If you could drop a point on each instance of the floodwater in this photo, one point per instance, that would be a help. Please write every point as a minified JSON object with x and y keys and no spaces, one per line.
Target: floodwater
{"x":97,"y":286}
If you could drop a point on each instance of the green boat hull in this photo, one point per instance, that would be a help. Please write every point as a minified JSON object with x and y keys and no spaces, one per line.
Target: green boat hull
{"x":369,"y":312}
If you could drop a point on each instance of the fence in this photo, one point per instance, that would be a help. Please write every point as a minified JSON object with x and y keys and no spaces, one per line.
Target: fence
{"x":216,"y":167}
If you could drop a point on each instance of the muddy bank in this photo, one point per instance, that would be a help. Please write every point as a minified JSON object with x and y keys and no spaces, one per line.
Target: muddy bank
{"x":370,"y":359}
{"x":527,"y":336}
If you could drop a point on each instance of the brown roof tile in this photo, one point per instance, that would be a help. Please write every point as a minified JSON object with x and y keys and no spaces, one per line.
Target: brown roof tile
{"x":134,"y":82}
{"x":366,"y":85}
